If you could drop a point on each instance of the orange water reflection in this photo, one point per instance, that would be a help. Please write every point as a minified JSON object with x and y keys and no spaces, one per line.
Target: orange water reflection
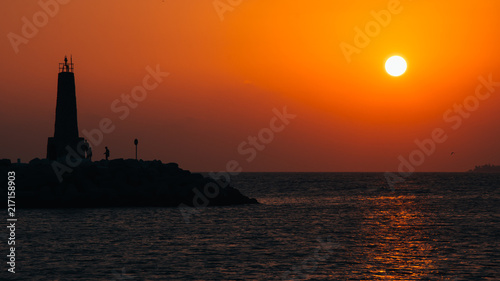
{"x":396,"y":239}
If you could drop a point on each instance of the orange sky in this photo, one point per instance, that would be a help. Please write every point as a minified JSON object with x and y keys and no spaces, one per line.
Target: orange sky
{"x":229,"y":70}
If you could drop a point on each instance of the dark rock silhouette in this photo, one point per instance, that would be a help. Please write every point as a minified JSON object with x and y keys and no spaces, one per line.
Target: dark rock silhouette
{"x":4,"y":162}
{"x":113,"y":183}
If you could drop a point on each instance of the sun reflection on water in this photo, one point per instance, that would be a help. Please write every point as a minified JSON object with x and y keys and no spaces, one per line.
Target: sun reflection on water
{"x":395,"y":238}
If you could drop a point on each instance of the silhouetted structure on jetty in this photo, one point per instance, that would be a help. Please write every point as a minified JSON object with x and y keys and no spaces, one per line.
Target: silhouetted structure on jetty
{"x":66,"y":126}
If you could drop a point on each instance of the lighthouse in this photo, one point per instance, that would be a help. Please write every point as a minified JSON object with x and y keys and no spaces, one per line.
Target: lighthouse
{"x":66,"y":137}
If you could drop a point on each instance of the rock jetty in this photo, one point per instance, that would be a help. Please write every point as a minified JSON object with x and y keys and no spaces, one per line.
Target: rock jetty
{"x":116,"y":183}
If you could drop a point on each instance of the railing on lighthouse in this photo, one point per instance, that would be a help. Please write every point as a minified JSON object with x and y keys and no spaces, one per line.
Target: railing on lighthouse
{"x":66,"y":67}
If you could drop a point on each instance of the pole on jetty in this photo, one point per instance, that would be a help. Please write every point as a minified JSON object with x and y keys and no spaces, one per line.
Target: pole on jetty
{"x":136,"y":142}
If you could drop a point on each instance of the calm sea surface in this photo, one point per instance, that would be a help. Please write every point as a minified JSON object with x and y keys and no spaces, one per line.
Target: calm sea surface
{"x":310,"y":226}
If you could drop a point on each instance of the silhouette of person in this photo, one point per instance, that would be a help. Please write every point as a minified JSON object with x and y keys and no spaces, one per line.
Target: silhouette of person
{"x":66,"y":64}
{"x":106,"y":153}
{"x":89,"y":153}
{"x":85,"y":148}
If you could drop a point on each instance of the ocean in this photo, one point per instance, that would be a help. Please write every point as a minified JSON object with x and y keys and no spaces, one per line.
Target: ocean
{"x":309,"y":226}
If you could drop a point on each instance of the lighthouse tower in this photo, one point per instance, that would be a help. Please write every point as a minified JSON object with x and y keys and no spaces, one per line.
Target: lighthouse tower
{"x":66,"y":137}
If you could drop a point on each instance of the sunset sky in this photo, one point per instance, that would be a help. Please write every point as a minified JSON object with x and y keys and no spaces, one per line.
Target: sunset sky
{"x":230,"y":65}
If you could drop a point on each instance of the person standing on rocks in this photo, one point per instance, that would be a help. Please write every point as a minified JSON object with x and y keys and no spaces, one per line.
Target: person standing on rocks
{"x":89,"y":153}
{"x":85,"y":148}
{"x":106,"y":153}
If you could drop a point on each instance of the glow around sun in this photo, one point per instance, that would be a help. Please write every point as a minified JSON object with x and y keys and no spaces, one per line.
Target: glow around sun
{"x":395,"y":66}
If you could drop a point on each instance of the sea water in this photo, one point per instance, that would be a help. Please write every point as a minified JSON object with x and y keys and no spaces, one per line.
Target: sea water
{"x":310,"y":226}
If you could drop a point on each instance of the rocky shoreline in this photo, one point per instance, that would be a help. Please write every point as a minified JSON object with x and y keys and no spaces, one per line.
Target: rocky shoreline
{"x":116,"y":183}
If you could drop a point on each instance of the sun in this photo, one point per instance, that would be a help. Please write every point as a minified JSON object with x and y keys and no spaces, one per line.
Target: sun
{"x":395,"y":66}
